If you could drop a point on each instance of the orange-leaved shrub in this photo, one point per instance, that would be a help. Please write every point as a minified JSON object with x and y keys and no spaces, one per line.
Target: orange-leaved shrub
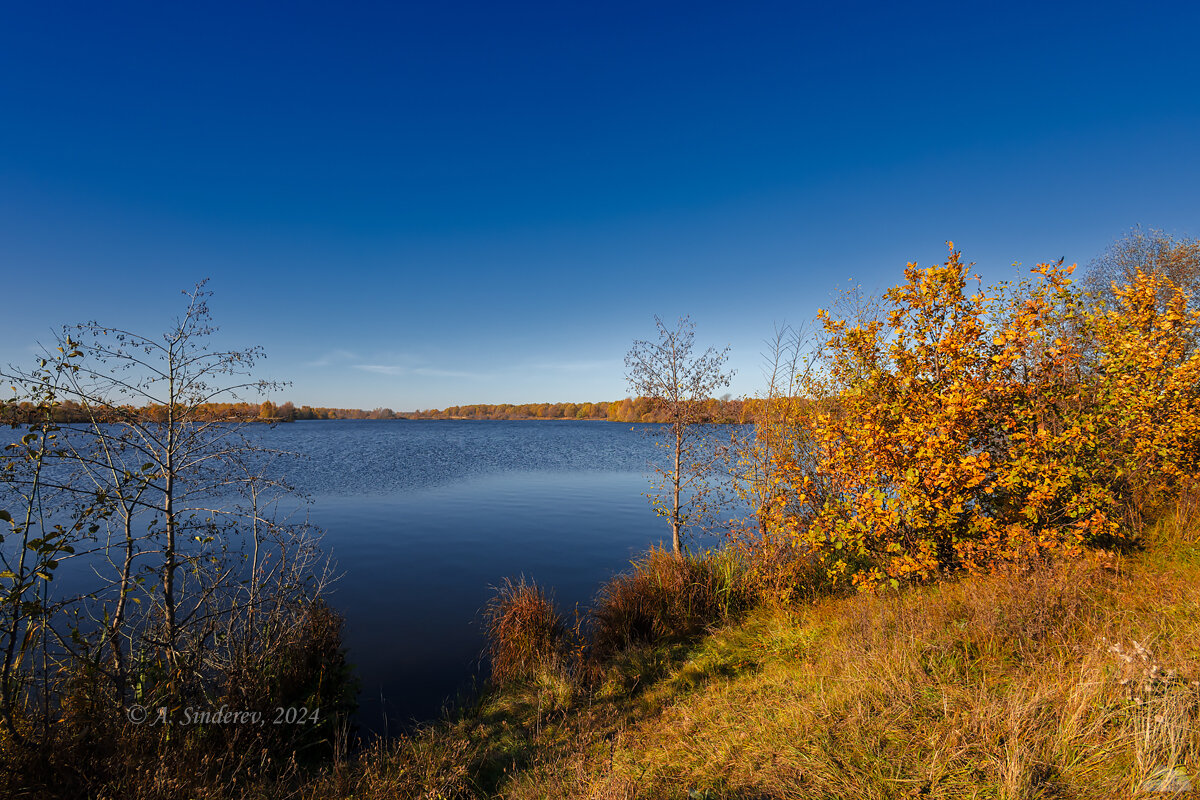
{"x":958,"y":430}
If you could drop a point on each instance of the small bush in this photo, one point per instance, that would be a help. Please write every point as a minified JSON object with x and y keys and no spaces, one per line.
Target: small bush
{"x":305,"y":667}
{"x":663,"y":597}
{"x":526,"y":634}
{"x":780,"y":570}
{"x":96,"y":748}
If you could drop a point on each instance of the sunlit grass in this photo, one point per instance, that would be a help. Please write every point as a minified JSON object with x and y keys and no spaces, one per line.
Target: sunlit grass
{"x":1022,"y":685}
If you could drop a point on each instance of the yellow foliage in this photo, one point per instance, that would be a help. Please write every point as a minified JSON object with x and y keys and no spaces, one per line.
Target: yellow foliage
{"x":960,"y":430}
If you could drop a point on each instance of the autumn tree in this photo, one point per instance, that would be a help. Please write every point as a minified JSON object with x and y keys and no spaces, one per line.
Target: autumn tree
{"x":677,"y":381}
{"x":968,"y":428}
{"x":1153,"y":252}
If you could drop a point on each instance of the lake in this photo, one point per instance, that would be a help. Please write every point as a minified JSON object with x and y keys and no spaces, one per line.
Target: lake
{"x":424,"y":517}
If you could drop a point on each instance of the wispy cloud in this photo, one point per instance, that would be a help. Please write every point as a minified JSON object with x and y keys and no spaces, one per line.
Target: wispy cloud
{"x":396,"y":364}
{"x":381,"y":369}
{"x":576,"y":366}
{"x":427,"y":372}
{"x":333,"y":357}
{"x":450,"y":373}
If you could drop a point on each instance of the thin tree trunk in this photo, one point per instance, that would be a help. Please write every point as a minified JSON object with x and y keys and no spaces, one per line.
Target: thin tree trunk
{"x":675,"y":518}
{"x":169,"y":514}
{"x":7,"y":699}
{"x":119,"y":614}
{"x":169,"y":567}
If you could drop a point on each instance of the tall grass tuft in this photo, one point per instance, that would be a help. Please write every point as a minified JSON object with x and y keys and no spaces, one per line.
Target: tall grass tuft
{"x":665,"y":597}
{"x":526,"y":634}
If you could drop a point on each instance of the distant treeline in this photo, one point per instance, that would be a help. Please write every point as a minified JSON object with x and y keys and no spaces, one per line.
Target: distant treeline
{"x":12,"y":413}
{"x":641,"y":409}
{"x":70,"y":411}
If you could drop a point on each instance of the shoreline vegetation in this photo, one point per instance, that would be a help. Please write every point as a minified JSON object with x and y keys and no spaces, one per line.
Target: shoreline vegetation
{"x":971,"y":568}
{"x":722,"y":411}
{"x":1071,"y":678}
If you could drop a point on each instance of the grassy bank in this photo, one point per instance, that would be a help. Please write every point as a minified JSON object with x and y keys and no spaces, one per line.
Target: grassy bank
{"x":1078,"y":679}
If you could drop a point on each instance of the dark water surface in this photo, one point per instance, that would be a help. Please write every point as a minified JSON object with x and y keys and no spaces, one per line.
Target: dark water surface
{"x":423,"y":517}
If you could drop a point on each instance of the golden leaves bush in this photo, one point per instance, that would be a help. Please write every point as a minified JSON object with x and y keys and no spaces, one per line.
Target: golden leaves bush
{"x":957,"y":430}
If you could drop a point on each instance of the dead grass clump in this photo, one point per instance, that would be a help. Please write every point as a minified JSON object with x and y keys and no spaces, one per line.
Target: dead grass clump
{"x":1021,"y":612}
{"x":665,"y":597}
{"x":97,"y":747}
{"x":526,"y":634}
{"x":780,"y":570}
{"x":1159,"y":711}
{"x":436,"y":763}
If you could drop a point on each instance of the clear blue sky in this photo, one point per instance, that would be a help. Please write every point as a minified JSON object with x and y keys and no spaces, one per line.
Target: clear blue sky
{"x":422,"y":204}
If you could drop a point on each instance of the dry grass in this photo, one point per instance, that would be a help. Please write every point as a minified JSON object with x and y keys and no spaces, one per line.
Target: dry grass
{"x":1073,"y":680}
{"x":526,"y":634}
{"x":1004,"y":687}
{"x":1021,"y":685}
{"x":664,"y":597}
{"x":435,"y":764}
{"x":96,"y":752}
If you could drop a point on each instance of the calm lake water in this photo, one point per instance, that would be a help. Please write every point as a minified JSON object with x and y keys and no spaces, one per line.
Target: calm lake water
{"x":424,"y":517}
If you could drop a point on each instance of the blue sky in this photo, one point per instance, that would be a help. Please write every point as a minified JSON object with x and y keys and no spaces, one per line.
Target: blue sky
{"x":422,"y":204}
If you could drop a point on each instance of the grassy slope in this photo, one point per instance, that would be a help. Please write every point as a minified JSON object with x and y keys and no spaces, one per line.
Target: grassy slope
{"x":1008,"y":686}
